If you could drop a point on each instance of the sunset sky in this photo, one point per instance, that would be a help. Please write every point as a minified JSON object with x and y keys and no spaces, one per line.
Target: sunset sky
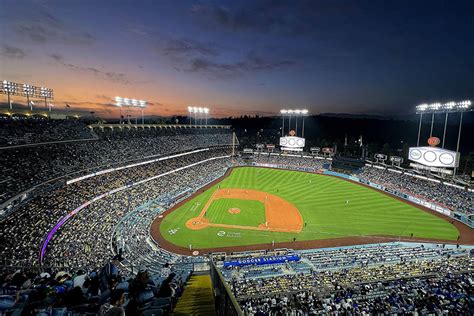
{"x":241,"y":57}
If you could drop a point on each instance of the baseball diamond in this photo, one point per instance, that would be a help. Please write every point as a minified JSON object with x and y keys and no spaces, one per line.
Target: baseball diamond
{"x":298,"y":207}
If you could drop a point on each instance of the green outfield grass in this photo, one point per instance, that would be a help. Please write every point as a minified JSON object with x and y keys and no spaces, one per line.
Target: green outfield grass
{"x":252,"y":213}
{"x":321,"y":201}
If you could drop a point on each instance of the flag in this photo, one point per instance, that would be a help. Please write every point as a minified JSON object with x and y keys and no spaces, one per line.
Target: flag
{"x":67,"y":105}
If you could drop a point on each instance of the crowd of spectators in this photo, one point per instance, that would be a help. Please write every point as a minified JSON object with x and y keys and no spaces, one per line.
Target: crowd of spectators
{"x":86,"y":242}
{"x":100,"y":291}
{"x":23,"y":131}
{"x":284,"y":161}
{"x":83,"y":231}
{"x":380,"y":279}
{"x":454,"y":198}
{"x":25,"y":167}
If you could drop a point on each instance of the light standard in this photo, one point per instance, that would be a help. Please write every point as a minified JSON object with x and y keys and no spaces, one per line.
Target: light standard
{"x":304,"y":112}
{"x":28,"y":90}
{"x":142,"y":105}
{"x":8,"y":88}
{"x":206,"y":112}
{"x":201,"y":111}
{"x":195,"y":111}
{"x":289,"y":119}
{"x":283,"y":113}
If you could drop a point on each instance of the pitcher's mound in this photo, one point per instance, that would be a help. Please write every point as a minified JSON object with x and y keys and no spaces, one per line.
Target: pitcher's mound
{"x":234,"y":210}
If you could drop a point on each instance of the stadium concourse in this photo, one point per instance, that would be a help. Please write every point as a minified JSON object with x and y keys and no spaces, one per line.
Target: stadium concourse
{"x":77,"y":205}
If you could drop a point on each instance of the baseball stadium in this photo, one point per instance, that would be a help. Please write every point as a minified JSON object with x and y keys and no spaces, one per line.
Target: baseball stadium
{"x":253,"y":158}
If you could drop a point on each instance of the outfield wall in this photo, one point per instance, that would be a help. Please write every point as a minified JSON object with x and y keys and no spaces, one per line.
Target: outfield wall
{"x":414,"y":199}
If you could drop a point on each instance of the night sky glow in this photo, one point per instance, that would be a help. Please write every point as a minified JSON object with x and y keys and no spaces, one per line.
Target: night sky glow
{"x":241,"y":57}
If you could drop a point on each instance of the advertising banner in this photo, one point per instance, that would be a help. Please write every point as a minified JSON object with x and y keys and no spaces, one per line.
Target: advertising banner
{"x":260,"y":261}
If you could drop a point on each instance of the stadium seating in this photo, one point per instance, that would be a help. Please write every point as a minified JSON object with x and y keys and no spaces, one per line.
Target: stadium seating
{"x":26,"y":167}
{"x":456,"y":199}
{"x":395,"y":278}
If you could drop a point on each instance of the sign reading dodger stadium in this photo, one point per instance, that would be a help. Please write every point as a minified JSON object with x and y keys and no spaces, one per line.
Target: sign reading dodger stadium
{"x":434,"y":157}
{"x":292,"y":143}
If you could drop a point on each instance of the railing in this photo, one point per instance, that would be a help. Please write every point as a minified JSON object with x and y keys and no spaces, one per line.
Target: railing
{"x":226,"y":303}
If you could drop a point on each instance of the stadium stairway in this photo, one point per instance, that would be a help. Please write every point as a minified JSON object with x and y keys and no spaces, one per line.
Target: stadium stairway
{"x":197,"y":298}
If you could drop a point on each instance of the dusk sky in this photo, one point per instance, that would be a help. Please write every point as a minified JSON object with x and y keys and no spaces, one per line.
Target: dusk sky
{"x":241,"y":57}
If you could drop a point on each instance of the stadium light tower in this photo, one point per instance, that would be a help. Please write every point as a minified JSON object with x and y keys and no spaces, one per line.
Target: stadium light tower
{"x":449,"y":107}
{"x":195,"y":111}
{"x":304,"y":113}
{"x":142,"y":105}
{"x":26,"y":90}
{"x":206,"y":112}
{"x":296,"y":113}
{"x":283,"y":113}
{"x":8,"y":88}
{"x":200,"y":111}
{"x":120,"y":102}
{"x":46,"y":94}
{"x":190,"y":111}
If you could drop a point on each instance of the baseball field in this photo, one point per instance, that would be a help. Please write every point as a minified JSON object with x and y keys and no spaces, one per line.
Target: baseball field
{"x":253,"y":206}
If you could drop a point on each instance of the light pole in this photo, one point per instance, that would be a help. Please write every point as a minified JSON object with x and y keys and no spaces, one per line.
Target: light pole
{"x":201,"y":111}
{"x":195,"y":111}
{"x":206,"y":112}
{"x":25,"y":90}
{"x":304,"y":112}
{"x":120,"y":102}
{"x":289,"y":119}
{"x":8,"y":88}
{"x":283,"y":113}
{"x":297,"y":113}
{"x":190,"y":114}
{"x":142,"y":105}
{"x":449,"y":107}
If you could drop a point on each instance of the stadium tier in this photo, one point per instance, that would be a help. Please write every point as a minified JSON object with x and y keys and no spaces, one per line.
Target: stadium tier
{"x":171,"y":218}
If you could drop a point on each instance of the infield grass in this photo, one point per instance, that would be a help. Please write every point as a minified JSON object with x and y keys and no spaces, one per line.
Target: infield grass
{"x":322,"y":202}
{"x":252,"y":213}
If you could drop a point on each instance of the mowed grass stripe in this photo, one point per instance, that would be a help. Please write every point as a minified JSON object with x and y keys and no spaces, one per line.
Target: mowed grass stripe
{"x":321,"y":201}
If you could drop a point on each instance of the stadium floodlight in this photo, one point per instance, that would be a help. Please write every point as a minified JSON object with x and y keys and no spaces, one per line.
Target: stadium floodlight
{"x":200,"y":110}
{"x":435,"y":106}
{"x":465,"y":104}
{"x":8,"y":88}
{"x":190,"y":109}
{"x":25,"y":90}
{"x":451,"y":107}
{"x":206,"y":112}
{"x":136,"y":103}
{"x":292,"y":112}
